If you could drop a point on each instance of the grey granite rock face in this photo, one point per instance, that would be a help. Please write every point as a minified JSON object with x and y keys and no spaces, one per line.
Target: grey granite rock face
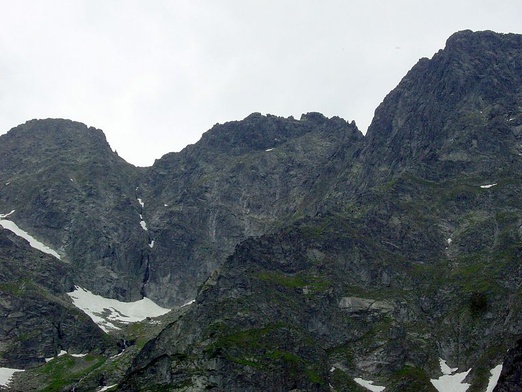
{"x":161,"y":231}
{"x":457,"y":113}
{"x":37,"y":320}
{"x":316,"y":255}
{"x":243,"y":179}
{"x":68,"y":188}
{"x":430,"y":235}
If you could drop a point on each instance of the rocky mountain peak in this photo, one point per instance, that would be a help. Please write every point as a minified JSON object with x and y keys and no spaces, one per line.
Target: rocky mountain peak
{"x":55,"y":136}
{"x":259,"y":132}
{"x":459,"y":111}
{"x":308,"y":256}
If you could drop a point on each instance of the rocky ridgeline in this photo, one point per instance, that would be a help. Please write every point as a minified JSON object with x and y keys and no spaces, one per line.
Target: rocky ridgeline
{"x":316,"y":255}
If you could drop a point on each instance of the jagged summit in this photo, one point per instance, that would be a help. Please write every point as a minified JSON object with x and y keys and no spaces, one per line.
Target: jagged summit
{"x":258,"y":132}
{"x":58,"y":133}
{"x":459,"y":111}
{"x":309,"y":256}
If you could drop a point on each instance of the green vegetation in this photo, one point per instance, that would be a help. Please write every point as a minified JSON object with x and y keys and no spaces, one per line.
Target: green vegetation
{"x":265,"y":349}
{"x":66,"y":370}
{"x":411,"y":379}
{"x":482,"y":369}
{"x":310,"y":283}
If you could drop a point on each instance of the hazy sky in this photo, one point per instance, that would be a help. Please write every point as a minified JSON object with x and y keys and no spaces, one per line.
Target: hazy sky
{"x":155,"y":75}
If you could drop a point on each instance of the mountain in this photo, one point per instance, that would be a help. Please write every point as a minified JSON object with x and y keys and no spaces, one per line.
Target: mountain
{"x":67,"y":187}
{"x":243,"y":179}
{"x":419,"y":263}
{"x":37,"y":321}
{"x":319,"y":259}
{"x":456,"y":114}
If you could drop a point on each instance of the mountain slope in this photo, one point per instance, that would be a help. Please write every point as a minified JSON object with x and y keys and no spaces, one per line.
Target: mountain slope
{"x":458,"y":113}
{"x":333,"y":258}
{"x":242,"y":179}
{"x":421,"y":263}
{"x":70,"y":190}
{"x":37,"y":319}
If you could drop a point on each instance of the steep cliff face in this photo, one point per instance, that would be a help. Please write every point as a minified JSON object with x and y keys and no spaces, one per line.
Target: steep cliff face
{"x":380,"y":297}
{"x":458,"y":113}
{"x":332,"y":257}
{"x":36,"y":319}
{"x":243,"y":179}
{"x":420,"y":263}
{"x":70,"y":190}
{"x":161,"y":231}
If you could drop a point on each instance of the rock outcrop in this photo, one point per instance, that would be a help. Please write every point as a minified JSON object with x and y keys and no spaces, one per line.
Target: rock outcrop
{"x":419,"y":263}
{"x":243,"y":179}
{"x":37,"y":321}
{"x":317,"y":256}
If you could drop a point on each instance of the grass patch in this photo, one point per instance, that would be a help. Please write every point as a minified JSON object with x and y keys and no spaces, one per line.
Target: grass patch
{"x":267,"y":349}
{"x":411,"y":379}
{"x":311,"y":284}
{"x":66,"y":370}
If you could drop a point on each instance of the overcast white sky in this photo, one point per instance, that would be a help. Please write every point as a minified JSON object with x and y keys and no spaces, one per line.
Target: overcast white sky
{"x":155,"y":75}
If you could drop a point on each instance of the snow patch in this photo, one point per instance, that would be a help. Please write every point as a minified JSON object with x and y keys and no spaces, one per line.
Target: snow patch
{"x":188,"y":303}
{"x":450,"y":381}
{"x":3,"y":216}
{"x":142,"y":204}
{"x":143,"y":224}
{"x":495,"y":374}
{"x":62,"y":352}
{"x":66,"y":353}
{"x":449,"y":240}
{"x":6,"y":375}
{"x":487,"y":186}
{"x":151,"y":244}
{"x":78,"y":355}
{"x":269,"y":149}
{"x":105,"y":310}
{"x":369,"y":385}
{"x":11,"y":226}
{"x":108,"y":387}
{"x":445,"y":369}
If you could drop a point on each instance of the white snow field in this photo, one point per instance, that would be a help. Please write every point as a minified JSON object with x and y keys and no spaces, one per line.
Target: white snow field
{"x":103,"y":311}
{"x":6,"y":375}
{"x":495,"y":374}
{"x":450,"y":381}
{"x":107,"y":388}
{"x":11,"y":226}
{"x":368,"y":385}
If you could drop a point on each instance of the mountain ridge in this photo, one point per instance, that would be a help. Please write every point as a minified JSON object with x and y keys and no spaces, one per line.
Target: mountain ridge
{"x":316,"y":255}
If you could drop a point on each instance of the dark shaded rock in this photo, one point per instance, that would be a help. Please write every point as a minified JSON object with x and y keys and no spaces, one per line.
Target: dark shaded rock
{"x":69,"y":189}
{"x":407,"y":258}
{"x":331,"y":256}
{"x":244,"y":178}
{"x":510,"y":379}
{"x":37,"y":319}
{"x":458,"y":113}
